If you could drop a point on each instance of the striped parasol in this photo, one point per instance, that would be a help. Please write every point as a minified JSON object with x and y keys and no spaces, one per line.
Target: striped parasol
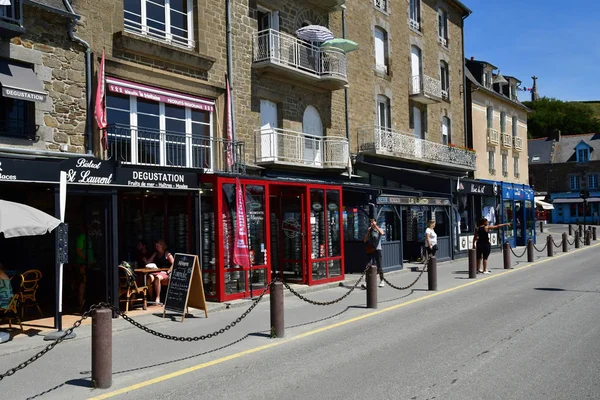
{"x":314,"y":33}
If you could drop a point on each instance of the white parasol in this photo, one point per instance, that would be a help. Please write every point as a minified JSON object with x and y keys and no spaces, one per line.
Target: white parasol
{"x":21,"y":220}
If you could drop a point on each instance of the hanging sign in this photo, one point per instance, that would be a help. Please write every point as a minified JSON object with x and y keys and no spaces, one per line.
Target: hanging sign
{"x":88,"y":171}
{"x":185,"y":286}
{"x":158,"y":179}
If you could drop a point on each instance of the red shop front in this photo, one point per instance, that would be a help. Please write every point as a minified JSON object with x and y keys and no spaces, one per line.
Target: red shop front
{"x":294,"y":232}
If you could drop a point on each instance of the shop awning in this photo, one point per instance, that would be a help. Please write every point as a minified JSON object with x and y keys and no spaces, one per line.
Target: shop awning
{"x":575,"y":200}
{"x":544,"y":205}
{"x":19,"y":82}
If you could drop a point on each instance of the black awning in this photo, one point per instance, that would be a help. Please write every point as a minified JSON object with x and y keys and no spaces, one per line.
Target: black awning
{"x":19,"y":82}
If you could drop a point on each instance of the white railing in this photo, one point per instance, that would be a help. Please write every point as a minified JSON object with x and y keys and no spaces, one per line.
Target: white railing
{"x":493,"y":136}
{"x":289,"y":51}
{"x":517,"y":143}
{"x":507,"y":140}
{"x":404,"y":145}
{"x":425,"y":85}
{"x":301,"y":149}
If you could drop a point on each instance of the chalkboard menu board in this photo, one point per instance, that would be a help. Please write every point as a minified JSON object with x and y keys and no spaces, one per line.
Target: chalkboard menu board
{"x":185,"y":286}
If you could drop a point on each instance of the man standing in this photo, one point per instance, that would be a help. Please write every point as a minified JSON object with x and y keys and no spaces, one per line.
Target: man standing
{"x":373,"y":239}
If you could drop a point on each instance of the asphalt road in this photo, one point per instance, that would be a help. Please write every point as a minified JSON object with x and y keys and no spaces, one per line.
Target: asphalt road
{"x":532,"y":333}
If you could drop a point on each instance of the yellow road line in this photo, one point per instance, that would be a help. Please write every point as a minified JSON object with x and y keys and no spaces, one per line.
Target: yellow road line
{"x":320,"y":330}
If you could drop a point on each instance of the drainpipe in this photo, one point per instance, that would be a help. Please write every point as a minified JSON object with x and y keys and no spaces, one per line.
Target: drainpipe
{"x":88,"y":76}
{"x":346,"y":94}
{"x":230,"y":63}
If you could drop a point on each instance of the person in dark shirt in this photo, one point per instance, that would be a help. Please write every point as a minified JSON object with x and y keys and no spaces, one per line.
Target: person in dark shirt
{"x":481,"y":241}
{"x":373,"y":238}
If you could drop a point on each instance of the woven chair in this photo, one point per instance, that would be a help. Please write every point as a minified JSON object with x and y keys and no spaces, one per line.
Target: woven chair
{"x":28,"y":289}
{"x":11,"y":312}
{"x":129,"y":289}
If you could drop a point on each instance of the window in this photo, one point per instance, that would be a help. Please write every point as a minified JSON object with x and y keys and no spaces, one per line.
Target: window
{"x":446,"y":131}
{"x":443,"y":27}
{"x":445,"y":79}
{"x":381,"y":5}
{"x":490,"y":117}
{"x":504,"y":164}
{"x":381,"y":50}
{"x":503,"y":122}
{"x":415,"y":14}
{"x":516,"y":166}
{"x":583,"y":155}
{"x":513,"y":93}
{"x":515,"y":126}
{"x":384,"y":118}
{"x":17,"y":118}
{"x":169,"y":21}
{"x":492,"y":161}
{"x":487,"y":79}
{"x":593,"y":181}
{"x":574,"y":182}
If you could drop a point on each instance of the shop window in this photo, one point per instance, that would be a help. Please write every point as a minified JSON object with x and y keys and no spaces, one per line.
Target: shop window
{"x":333,"y":221}
{"x":166,"y":21}
{"x":208,"y":238}
{"x":573,"y":209}
{"x":17,"y":118}
{"x":235,"y":276}
{"x":509,"y":219}
{"x":257,"y":244}
{"x":325,"y":233}
{"x":356,"y":223}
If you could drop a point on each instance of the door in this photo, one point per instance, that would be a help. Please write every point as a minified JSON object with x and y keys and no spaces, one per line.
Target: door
{"x":293,"y":236}
{"x":268,"y":135}
{"x":268,"y":28}
{"x":415,"y":64}
{"x":311,"y":124}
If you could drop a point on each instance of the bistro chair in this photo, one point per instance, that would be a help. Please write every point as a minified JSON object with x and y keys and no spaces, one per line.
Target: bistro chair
{"x":129,"y":289}
{"x":11,"y":312}
{"x":28,"y":289}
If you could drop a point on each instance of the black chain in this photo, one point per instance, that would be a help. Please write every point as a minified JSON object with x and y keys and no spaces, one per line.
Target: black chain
{"x":571,"y":243}
{"x":515,"y":254}
{"x":543,"y":248}
{"x":557,"y":245}
{"x":326,"y":303}
{"x":194,"y":338}
{"x":409,"y":286}
{"x":46,"y":349}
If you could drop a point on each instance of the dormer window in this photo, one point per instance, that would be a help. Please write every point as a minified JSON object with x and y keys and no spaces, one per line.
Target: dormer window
{"x":513,"y":92}
{"x":583,"y":155}
{"x":487,"y":79}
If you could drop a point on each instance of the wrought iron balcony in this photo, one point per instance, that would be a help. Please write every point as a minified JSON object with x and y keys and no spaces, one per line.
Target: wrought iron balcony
{"x":507,"y":140}
{"x":11,"y":19}
{"x":390,"y":143}
{"x":425,"y":89}
{"x":517,"y":143}
{"x":493,"y":136}
{"x":292,"y":58}
{"x":139,"y":146}
{"x":287,"y":147}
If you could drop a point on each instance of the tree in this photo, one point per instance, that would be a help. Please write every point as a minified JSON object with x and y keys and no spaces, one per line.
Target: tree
{"x":569,"y":117}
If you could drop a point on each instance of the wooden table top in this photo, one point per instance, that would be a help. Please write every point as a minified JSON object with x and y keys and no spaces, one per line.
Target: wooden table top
{"x":146,"y":270}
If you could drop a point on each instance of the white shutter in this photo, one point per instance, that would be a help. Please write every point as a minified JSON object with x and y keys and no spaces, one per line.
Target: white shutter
{"x":379,"y":49}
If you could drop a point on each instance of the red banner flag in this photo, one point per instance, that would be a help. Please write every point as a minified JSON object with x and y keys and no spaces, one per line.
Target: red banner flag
{"x":241,"y":255}
{"x":229,"y":143}
{"x":100,"y":109}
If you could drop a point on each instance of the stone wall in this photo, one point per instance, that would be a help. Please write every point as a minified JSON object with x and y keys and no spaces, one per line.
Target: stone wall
{"x":60,"y":64}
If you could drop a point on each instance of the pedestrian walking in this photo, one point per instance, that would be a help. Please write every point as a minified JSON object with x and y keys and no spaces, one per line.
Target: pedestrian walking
{"x":374,"y":250}
{"x":430,"y":240}
{"x":481,"y":241}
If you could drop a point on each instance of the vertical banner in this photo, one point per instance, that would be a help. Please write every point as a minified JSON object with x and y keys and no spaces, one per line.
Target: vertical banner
{"x":62,"y":192}
{"x":100,"y":108}
{"x":241,"y":255}
{"x":229,"y":141}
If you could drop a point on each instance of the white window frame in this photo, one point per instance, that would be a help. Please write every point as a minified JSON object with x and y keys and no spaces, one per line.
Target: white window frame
{"x":382,"y":5}
{"x":384,"y":104}
{"x":447,"y":137}
{"x":574,"y":182}
{"x":593,"y":181}
{"x":381,"y":55}
{"x":414,"y":14}
{"x":443,"y":27}
{"x":166,"y":36}
{"x":445,"y":79}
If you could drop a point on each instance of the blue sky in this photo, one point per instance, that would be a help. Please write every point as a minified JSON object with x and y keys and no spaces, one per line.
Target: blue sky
{"x":558,"y":41}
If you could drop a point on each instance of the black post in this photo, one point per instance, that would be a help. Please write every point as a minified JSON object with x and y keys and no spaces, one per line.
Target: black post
{"x":372,"y":287}
{"x":577,"y":239}
{"x":102,"y":348}
{"x":506,"y":255}
{"x":550,"y":246}
{"x":588,"y":238}
{"x":594,"y":234}
{"x":277,"y":314}
{"x":472,"y":263}
{"x":570,"y":230}
{"x":580,"y":230}
{"x":541,"y":226}
{"x":530,"y":250}
{"x":432,"y":273}
{"x":565,"y":243}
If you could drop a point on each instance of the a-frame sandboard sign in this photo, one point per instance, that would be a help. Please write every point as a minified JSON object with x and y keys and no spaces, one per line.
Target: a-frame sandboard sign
{"x":185,"y":286}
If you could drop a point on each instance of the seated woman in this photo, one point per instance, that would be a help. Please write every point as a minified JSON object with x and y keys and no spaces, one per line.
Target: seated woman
{"x":6,"y":292}
{"x":163,"y":259}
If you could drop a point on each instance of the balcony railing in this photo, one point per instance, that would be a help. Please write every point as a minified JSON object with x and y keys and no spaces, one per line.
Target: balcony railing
{"x":493,"y":136}
{"x":387,"y":142}
{"x":11,"y":19}
{"x":425,"y":89}
{"x":283,"y":146}
{"x":272,"y":47}
{"x":141,"y":146}
{"x":517,"y":143}
{"x":506,"y":140}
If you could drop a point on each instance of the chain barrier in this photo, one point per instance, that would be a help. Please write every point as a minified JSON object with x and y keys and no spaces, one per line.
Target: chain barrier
{"x":543,"y":248}
{"x":46,"y":349}
{"x":516,"y":255}
{"x":571,"y":243}
{"x":557,"y":245}
{"x":326,"y":303}
{"x":409,"y":286}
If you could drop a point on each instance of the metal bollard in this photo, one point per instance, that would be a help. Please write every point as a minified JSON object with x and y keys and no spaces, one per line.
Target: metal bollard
{"x":550,"y":246}
{"x":472,"y":263}
{"x":432,"y":274}
{"x":580,"y":228}
{"x":565,"y":243}
{"x":102,"y":348}
{"x":588,"y":238}
{"x":577,"y":239}
{"x":277,"y":312}
{"x":372,"y":287}
{"x":570,"y":230}
{"x":530,"y":250}
{"x":541,"y":226}
{"x":506,"y":255}
{"x":594,"y":233}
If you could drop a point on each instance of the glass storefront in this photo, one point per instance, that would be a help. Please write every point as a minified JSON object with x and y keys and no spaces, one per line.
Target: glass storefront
{"x":509,"y":231}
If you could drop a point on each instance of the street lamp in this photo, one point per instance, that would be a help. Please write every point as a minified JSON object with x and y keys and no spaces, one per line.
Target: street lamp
{"x":584,"y":194}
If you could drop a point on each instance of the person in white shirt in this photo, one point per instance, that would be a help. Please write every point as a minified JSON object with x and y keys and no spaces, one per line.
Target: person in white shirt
{"x":430,"y":239}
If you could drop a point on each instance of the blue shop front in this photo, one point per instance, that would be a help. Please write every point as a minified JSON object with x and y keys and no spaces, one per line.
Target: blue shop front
{"x":518,"y":209}
{"x":569,"y":208}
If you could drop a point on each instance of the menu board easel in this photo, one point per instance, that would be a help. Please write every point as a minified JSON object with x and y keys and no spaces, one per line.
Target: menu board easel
{"x":185,"y":286}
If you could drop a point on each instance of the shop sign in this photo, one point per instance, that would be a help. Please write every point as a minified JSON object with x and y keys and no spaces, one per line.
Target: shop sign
{"x":88,"y":171}
{"x":16,"y":170}
{"x":480,"y":188}
{"x":163,"y":179}
{"x":417,"y":201}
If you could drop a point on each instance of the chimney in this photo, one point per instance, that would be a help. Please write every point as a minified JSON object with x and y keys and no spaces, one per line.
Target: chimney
{"x":534,"y":92}
{"x":556,"y":135}
{"x":472,"y":58}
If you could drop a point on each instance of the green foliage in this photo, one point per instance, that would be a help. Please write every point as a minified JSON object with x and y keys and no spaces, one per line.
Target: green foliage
{"x":569,"y":117}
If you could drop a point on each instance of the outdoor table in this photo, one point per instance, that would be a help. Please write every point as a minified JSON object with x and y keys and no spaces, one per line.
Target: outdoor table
{"x":143,"y":272}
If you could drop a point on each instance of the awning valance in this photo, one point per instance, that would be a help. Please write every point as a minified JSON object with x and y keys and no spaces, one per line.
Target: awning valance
{"x":575,"y":200}
{"x":544,"y":205}
{"x":19,"y":82}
